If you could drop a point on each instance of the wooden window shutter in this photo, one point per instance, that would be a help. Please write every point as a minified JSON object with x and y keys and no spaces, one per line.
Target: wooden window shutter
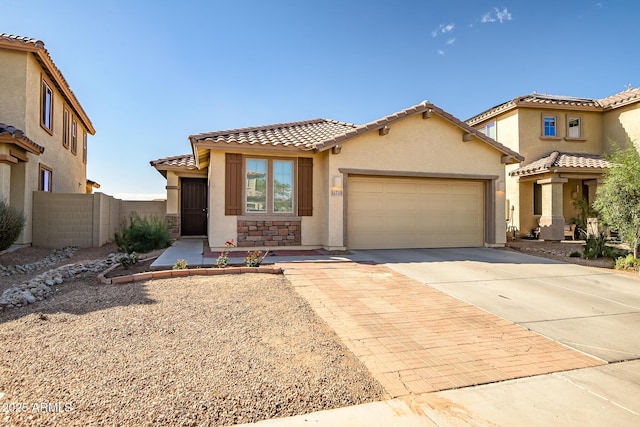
{"x":305,"y":186}
{"x":233,"y":184}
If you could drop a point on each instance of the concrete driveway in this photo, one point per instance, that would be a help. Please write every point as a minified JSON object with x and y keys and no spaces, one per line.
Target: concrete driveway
{"x":591,"y":310}
{"x":594,"y":311}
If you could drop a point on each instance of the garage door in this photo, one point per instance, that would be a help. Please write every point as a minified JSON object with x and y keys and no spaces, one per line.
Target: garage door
{"x":386,"y":213}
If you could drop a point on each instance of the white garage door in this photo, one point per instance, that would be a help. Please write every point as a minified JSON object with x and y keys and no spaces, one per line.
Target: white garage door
{"x":386,"y":213}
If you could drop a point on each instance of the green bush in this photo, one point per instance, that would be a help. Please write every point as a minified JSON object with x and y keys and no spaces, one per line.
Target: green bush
{"x":143,"y":234}
{"x":12,"y":222}
{"x":595,"y":246}
{"x":628,"y":263}
{"x":575,"y":254}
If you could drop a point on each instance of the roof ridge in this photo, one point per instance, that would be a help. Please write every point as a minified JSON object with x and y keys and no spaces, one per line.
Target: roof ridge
{"x":21,"y":39}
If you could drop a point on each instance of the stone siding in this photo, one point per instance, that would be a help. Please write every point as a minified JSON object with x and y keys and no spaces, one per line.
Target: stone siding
{"x":269,"y":233}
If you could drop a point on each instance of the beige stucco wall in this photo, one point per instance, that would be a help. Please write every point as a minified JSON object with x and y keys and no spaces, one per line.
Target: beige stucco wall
{"x":533,"y":146}
{"x":622,"y":125}
{"x":414,"y":145}
{"x":417,"y":145}
{"x":20,"y":86}
{"x":13,"y":78}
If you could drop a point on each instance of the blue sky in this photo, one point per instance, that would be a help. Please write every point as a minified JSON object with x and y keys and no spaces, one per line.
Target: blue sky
{"x":151,"y":73}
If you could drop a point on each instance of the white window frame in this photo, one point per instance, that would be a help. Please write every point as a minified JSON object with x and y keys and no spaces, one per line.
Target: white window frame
{"x":571,"y":118}
{"x":555,"y":126}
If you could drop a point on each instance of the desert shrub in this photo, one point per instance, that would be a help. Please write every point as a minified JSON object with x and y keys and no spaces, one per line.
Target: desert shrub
{"x":255,"y":258}
{"x":595,"y":246}
{"x":628,"y":263}
{"x":142,"y":234}
{"x":12,"y":222}
{"x":181,"y":264}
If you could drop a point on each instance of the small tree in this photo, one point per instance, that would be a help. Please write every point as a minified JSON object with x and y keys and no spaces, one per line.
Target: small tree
{"x":12,"y":222}
{"x":618,"y":198}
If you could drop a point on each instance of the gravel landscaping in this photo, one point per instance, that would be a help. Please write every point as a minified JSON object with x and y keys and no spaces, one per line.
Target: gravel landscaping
{"x":199,"y":350}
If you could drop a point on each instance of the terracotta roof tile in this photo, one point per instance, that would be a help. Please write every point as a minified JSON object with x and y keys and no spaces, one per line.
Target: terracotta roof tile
{"x":18,"y":135}
{"x":417,"y":109}
{"x":552,"y":101}
{"x":305,"y":135}
{"x":619,"y":99}
{"x":556,"y":159}
{"x":185,"y":161}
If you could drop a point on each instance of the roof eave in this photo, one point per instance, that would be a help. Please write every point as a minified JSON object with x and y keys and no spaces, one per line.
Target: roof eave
{"x":43,"y":57}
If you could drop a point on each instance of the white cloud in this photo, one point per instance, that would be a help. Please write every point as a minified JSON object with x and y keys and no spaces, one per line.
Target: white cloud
{"x":440,"y":52}
{"x":451,"y":41}
{"x":487,"y":18}
{"x":503,"y":15}
{"x":496,"y":15}
{"x":444,"y":29}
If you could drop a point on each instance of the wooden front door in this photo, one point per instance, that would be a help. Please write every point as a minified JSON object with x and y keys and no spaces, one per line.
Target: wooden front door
{"x":193,"y":207}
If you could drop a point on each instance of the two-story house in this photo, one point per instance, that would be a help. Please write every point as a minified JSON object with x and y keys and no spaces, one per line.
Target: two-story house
{"x":43,"y":128}
{"x":564,"y":141}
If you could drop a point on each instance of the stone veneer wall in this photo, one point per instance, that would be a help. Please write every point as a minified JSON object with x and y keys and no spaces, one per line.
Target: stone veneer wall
{"x":269,"y":233}
{"x":173,"y":222}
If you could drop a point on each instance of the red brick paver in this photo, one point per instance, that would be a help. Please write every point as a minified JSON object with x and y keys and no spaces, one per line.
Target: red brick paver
{"x":416,"y":339}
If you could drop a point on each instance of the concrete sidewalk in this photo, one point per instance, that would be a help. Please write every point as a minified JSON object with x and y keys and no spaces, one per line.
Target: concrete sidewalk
{"x":192,"y":250}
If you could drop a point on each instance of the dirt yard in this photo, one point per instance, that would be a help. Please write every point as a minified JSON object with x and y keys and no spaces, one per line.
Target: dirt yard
{"x":202,"y":350}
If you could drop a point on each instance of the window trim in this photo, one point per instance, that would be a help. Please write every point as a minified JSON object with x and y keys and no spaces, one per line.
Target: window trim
{"x":270,"y":200}
{"x":66,"y":129}
{"x":46,"y":108}
{"x":580,"y":137}
{"x":84,"y":148}
{"x":485,"y":129}
{"x":74,"y":136}
{"x":543,"y":127}
{"x":41,"y":169}
{"x":537,"y":199}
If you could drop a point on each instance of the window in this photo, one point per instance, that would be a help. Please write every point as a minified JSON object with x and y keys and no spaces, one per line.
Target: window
{"x":84,"y":148}
{"x":537,"y":199}
{"x":489,"y":130}
{"x":46,"y":107}
{"x":65,"y":128}
{"x":574,"y":127}
{"x":549,"y":126}
{"x":45,"y":179}
{"x":269,"y":186}
{"x":74,"y":136}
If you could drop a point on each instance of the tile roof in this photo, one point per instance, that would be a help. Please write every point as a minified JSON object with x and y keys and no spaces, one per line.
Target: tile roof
{"x":424,"y":106}
{"x":305,"y":135}
{"x":36,"y":46}
{"x":559,"y":101}
{"x":185,"y":161}
{"x":619,"y":99}
{"x":322,"y":134}
{"x":557,"y":159}
{"x":23,"y":140}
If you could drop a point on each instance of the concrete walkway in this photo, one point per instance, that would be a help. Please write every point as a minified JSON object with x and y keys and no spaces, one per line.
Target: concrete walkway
{"x":192,"y":250}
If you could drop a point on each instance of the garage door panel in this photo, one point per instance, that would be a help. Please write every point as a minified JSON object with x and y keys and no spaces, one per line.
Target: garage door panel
{"x":414,"y":213}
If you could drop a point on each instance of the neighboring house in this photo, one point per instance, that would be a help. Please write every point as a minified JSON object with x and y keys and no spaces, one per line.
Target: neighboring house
{"x":43,"y":128}
{"x":564,"y":141}
{"x":416,"y":178}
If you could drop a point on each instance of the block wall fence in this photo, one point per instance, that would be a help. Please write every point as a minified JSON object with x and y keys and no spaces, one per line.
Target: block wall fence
{"x":84,"y":220}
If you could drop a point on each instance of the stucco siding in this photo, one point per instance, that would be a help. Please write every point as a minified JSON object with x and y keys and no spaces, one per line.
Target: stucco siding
{"x":622,"y":125}
{"x":13,"y":80}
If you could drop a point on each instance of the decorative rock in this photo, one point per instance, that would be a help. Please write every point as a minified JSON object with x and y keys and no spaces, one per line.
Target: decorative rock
{"x":39,"y":287}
